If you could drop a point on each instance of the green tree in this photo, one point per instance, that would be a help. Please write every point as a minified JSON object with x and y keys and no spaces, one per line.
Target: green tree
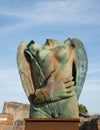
{"x":82,"y":109}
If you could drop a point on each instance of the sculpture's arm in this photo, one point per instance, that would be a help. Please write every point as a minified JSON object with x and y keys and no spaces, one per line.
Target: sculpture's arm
{"x":53,"y":91}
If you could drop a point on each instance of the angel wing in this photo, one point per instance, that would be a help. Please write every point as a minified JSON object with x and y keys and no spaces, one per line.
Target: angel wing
{"x":81,"y":65}
{"x":29,"y":71}
{"x":24,"y":70}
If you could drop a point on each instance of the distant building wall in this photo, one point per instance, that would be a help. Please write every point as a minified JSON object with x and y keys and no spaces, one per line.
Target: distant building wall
{"x":18,"y":110}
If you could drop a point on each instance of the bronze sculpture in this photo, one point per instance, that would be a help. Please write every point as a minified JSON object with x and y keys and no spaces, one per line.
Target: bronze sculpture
{"x":53,"y":76}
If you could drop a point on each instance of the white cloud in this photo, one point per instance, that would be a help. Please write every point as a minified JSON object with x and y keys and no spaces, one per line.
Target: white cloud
{"x":60,"y":11}
{"x":95,"y":81}
{"x":92,"y":87}
{"x":90,"y":95}
{"x":94,"y":65}
{"x":10,"y":87}
{"x":94,"y":68}
{"x":92,"y":58}
{"x":91,"y":90}
{"x":8,"y":77}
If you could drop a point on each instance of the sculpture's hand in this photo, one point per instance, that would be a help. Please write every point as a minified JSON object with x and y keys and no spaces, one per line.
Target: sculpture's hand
{"x":55,"y":90}
{"x":59,"y":89}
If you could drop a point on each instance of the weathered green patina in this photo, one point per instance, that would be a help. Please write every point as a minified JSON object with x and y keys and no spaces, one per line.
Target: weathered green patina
{"x":53,"y":76}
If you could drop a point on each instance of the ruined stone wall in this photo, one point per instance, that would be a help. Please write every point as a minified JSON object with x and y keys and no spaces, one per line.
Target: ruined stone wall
{"x":6,"y":121}
{"x":15,"y":113}
{"x":18,"y":110}
{"x":12,"y":116}
{"x":90,"y":122}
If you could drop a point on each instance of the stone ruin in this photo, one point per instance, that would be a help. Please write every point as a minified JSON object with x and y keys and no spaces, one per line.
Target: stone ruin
{"x":13,"y":114}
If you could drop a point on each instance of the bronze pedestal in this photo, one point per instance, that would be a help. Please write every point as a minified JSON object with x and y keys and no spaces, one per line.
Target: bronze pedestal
{"x":52,"y":123}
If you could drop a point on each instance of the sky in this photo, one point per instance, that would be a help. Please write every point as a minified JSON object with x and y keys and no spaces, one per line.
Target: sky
{"x":38,"y":20}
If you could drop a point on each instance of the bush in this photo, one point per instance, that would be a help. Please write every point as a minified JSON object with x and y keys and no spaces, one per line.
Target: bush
{"x":82,"y":109}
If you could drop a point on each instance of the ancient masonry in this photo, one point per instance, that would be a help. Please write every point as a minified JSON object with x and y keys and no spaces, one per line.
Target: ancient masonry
{"x":13,"y":114}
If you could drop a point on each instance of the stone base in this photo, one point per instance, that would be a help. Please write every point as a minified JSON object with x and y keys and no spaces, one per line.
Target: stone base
{"x":52,"y":123}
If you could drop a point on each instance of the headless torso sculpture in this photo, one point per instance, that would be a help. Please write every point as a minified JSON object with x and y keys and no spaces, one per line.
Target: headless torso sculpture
{"x":53,"y":76}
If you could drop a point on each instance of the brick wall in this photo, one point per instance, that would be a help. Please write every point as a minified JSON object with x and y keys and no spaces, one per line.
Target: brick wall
{"x":6,"y":120}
